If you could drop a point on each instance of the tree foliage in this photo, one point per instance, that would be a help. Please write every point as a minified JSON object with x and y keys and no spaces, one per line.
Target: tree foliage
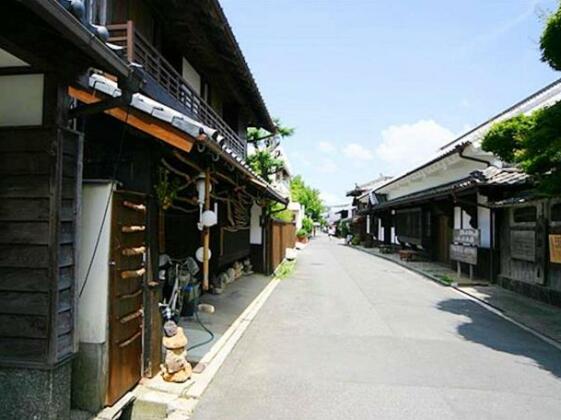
{"x":533,"y":142}
{"x":550,"y":41}
{"x":264,"y":163}
{"x":256,"y":134}
{"x":308,"y":197}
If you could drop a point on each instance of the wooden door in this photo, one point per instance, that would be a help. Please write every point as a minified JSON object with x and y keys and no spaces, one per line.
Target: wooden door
{"x":443,"y":239}
{"x":128,"y":271}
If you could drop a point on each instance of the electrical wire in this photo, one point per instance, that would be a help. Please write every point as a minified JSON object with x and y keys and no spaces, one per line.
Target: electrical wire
{"x":108,"y":203}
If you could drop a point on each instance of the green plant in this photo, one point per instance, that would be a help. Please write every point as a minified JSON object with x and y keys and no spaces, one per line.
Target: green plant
{"x":308,"y":225}
{"x":285,"y":269}
{"x":533,"y":142}
{"x":343,"y":228}
{"x":446,"y":279}
{"x":166,"y":190}
{"x":308,"y":197}
{"x":356,"y":240}
{"x":550,"y":41}
{"x":302,"y":233}
{"x":264,"y":164}
{"x":281,"y":213}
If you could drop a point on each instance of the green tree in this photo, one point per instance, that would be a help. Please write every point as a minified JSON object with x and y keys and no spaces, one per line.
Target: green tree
{"x":550,"y":41}
{"x":263,"y":160}
{"x":308,"y":197}
{"x":533,"y":142}
{"x":259,"y":135}
{"x":264,"y":163}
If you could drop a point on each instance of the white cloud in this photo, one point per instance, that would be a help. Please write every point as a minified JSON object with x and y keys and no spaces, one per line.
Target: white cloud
{"x":404,"y":146}
{"x":326,"y":147}
{"x":357,"y":151}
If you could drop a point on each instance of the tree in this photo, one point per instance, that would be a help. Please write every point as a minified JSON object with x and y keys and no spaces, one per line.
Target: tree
{"x":308,"y":197}
{"x":258,"y":135}
{"x":263,"y":160}
{"x":533,"y":142}
{"x":264,"y":163}
{"x":550,"y":41}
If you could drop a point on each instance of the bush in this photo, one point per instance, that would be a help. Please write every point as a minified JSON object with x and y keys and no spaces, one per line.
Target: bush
{"x":302,"y":233}
{"x":356,"y":240}
{"x":308,"y":225}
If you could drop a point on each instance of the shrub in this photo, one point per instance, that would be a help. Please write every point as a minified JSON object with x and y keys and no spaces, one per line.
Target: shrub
{"x":308,"y":225}
{"x":302,"y":233}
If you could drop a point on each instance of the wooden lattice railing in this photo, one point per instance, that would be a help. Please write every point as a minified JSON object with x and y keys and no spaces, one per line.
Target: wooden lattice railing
{"x":139,"y":50}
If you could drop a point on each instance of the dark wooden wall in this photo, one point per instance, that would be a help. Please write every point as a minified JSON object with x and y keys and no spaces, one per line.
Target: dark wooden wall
{"x":40,"y":174}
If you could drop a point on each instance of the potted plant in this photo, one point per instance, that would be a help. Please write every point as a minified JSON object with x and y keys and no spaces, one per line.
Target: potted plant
{"x":302,"y":235}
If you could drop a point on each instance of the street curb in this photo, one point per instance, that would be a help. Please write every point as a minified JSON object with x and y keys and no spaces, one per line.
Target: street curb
{"x":491,"y":308}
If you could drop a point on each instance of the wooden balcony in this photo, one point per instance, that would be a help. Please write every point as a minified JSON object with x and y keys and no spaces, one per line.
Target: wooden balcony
{"x":137,"y":49}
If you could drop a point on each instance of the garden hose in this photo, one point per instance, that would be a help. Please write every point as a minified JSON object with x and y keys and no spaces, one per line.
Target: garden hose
{"x":203,"y":326}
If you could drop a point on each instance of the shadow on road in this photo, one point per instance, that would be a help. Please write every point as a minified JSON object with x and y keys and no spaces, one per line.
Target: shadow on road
{"x":488,"y":329}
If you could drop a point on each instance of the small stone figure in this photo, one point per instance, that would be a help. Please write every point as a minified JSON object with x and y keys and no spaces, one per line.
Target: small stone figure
{"x":247,"y":267}
{"x":176,"y":368}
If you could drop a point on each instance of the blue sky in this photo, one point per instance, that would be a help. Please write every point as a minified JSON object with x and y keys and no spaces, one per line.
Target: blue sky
{"x":376,"y":86}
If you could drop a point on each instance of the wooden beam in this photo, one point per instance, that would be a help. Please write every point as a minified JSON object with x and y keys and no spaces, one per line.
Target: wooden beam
{"x":145,"y":123}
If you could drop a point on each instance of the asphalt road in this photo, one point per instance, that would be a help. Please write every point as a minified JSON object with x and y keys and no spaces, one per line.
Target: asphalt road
{"x":351,"y":336}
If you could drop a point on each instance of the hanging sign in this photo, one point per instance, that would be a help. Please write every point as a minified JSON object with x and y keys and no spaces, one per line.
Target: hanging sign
{"x":555,"y":249}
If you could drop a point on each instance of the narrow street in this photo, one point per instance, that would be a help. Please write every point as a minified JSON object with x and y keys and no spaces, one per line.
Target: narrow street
{"x":350,"y":336}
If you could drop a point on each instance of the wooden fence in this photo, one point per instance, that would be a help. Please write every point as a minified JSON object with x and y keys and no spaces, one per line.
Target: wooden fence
{"x":281,"y":235}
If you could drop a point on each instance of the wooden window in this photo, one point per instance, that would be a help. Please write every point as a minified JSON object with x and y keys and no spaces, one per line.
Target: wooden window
{"x":528,"y":214}
{"x":556,"y":212}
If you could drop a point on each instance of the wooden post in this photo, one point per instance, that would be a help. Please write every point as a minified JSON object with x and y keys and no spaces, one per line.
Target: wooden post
{"x":206,"y":234}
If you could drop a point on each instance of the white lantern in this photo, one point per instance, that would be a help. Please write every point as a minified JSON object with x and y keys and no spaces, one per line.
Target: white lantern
{"x":209,"y":218}
{"x":200,"y":254}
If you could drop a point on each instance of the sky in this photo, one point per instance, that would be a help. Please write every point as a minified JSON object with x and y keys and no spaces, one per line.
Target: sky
{"x":376,"y":86}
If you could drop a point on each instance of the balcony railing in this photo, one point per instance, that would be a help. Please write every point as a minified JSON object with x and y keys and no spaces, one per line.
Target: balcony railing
{"x":137,"y":49}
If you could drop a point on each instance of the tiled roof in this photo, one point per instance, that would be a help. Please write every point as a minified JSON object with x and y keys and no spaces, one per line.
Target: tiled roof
{"x":489,"y":176}
{"x":182,"y":122}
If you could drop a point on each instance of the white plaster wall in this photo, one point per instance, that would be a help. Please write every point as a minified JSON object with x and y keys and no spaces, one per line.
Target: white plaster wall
{"x":255,"y":230}
{"x":368,"y":224}
{"x":9,"y":60}
{"x":93,"y":304}
{"x":191,"y":75}
{"x":484,"y":221}
{"x":21,"y":100}
{"x":380,"y":230}
{"x":457,"y":218}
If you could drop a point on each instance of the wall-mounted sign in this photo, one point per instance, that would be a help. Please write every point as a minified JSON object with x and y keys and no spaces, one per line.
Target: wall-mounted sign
{"x":465,"y":254}
{"x":555,"y":249}
{"x":467,"y":236}
{"x":523,"y":245}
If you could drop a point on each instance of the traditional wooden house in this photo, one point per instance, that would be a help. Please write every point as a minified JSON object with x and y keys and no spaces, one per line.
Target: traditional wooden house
{"x":445,"y":208}
{"x":363,"y":224}
{"x":110,"y":153}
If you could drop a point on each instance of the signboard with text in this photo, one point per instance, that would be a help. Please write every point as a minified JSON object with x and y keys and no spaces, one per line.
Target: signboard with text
{"x":467,"y":236}
{"x":465,"y":254}
{"x":555,"y":249}
{"x":523,"y":245}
